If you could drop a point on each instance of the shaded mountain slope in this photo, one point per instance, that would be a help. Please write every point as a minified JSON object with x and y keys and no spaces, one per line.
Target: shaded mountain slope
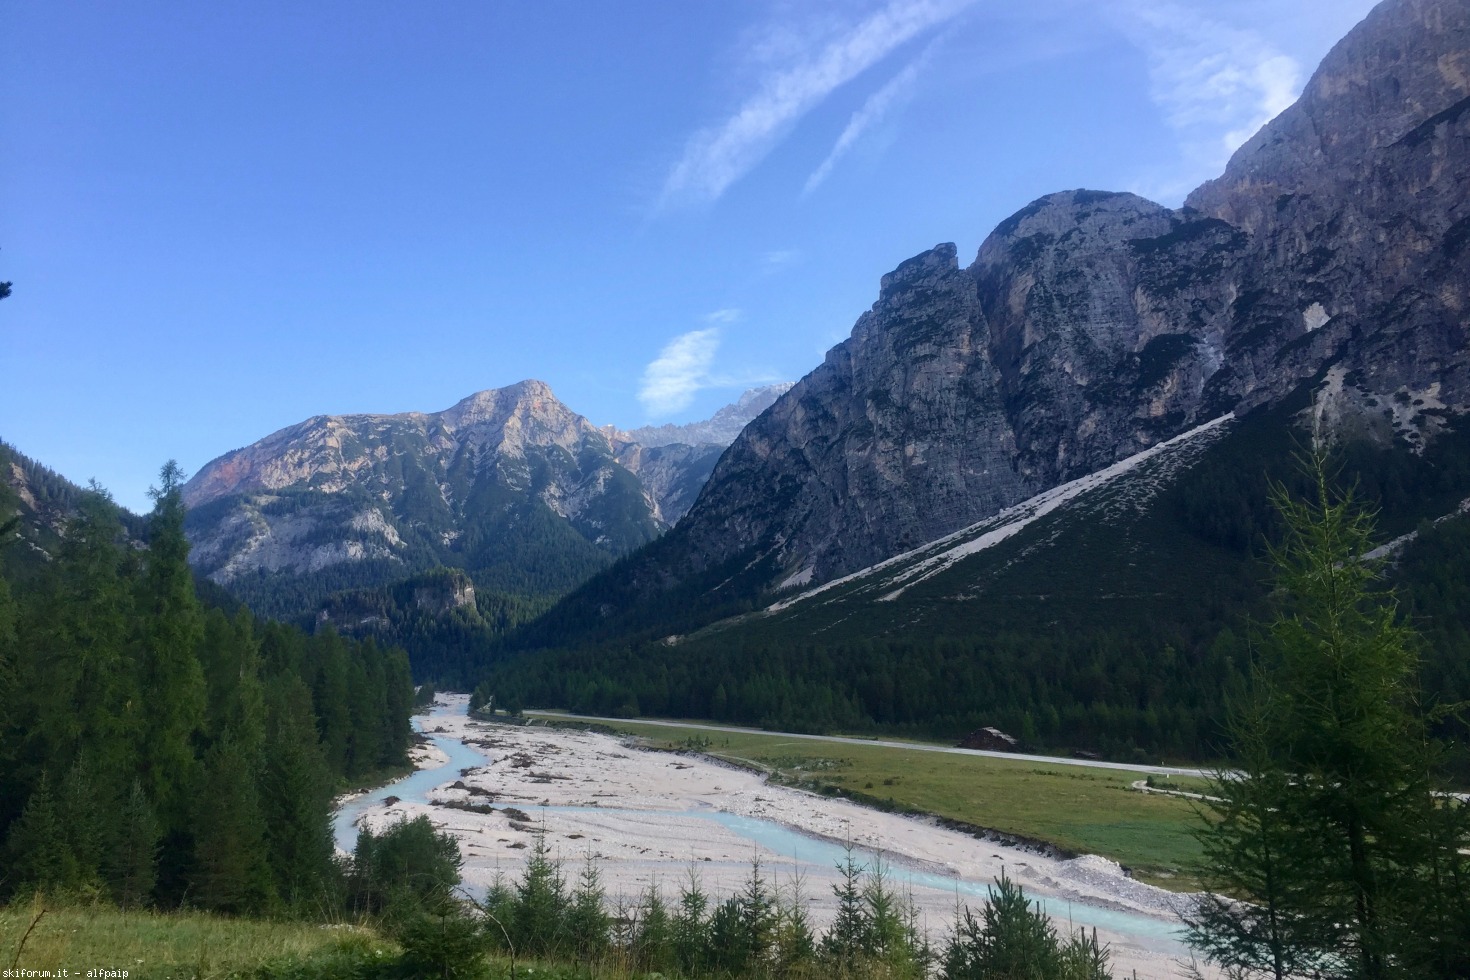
{"x":1109,"y":614}
{"x":1094,"y":325}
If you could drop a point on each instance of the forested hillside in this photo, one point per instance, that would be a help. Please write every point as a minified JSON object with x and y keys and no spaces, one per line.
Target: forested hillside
{"x":153,"y":749}
{"x":41,"y":501}
{"x":1118,"y":624}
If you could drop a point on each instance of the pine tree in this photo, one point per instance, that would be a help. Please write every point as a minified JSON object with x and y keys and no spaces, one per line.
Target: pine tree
{"x":888,"y":937}
{"x":172,"y":677}
{"x":85,"y":810}
{"x":691,"y":925}
{"x":846,"y":939}
{"x":229,"y":656}
{"x":76,"y":680}
{"x":296,"y":798}
{"x":728,"y":949}
{"x":398,"y":708}
{"x":1012,"y":939}
{"x":653,"y":936}
{"x":1251,"y":850}
{"x":131,"y":863}
{"x":366,"y":707}
{"x":796,"y":945}
{"x":758,"y":918}
{"x":36,"y":848}
{"x":587,"y":919}
{"x":1331,"y":831}
{"x":328,"y":656}
{"x":541,"y":902}
{"x":232,"y":869}
{"x":409,"y":866}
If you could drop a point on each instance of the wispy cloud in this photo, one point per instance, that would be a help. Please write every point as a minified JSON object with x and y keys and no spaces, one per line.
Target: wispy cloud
{"x":1216,"y":84}
{"x":799,"y":76}
{"x":682,"y":368}
{"x":778,"y":259}
{"x":892,"y":95}
{"x":718,"y":317}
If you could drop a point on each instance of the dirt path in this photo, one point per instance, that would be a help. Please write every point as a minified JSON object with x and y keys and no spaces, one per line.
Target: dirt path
{"x":915,"y":746}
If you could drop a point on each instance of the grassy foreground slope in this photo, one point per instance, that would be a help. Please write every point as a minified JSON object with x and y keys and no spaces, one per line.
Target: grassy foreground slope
{"x":165,"y":946}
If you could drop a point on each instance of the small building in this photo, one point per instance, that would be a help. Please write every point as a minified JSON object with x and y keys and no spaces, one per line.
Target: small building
{"x":991,"y":740}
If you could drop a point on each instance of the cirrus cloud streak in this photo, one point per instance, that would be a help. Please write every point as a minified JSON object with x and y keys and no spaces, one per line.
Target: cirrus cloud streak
{"x":716,"y":157}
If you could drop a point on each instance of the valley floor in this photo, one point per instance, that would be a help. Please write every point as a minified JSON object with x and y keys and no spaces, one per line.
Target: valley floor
{"x":650,"y":817}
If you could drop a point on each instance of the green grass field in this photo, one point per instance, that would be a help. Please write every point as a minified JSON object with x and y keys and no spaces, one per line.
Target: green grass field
{"x":156,"y":946}
{"x":1079,"y":809}
{"x":198,"y":946}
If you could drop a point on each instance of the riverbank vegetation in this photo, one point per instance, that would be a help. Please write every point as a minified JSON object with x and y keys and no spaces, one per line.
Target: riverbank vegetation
{"x":404,"y":880}
{"x":406,"y":917}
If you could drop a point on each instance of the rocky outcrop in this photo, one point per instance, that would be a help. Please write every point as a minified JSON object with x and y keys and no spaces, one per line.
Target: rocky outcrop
{"x":1354,"y":201}
{"x":672,"y":474}
{"x":1093,"y":325}
{"x":896,"y":437}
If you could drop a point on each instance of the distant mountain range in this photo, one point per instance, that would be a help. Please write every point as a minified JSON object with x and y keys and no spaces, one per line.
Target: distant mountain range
{"x":721,"y":429}
{"x":525,"y":496}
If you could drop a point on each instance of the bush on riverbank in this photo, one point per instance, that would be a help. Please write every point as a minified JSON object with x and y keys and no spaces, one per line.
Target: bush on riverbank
{"x":408,"y":872}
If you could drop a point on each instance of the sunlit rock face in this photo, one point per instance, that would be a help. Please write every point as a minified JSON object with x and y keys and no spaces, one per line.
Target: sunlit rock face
{"x":508,"y":474}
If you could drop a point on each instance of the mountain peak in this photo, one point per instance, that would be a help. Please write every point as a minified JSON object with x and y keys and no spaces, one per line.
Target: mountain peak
{"x":1400,"y":74}
{"x":937,"y":261}
{"x":528,"y":399}
{"x":329,"y":451}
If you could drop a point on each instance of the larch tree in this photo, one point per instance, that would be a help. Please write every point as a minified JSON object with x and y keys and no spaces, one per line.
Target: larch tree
{"x":1326,"y":847}
{"x":173,"y":678}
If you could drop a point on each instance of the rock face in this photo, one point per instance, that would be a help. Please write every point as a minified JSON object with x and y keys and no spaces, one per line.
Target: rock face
{"x":488,"y":483}
{"x":720,"y":429}
{"x":1335,"y":247}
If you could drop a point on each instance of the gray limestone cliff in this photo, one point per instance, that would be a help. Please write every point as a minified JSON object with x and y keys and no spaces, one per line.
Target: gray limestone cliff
{"x":1091,"y":325}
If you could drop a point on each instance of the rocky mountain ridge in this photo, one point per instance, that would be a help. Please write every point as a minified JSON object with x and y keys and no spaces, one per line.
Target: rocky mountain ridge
{"x":508,"y":483}
{"x":1094,"y":325}
{"x":722,"y":428}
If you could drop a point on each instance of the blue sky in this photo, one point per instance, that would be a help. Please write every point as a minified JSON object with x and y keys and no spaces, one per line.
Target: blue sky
{"x":222,"y":218}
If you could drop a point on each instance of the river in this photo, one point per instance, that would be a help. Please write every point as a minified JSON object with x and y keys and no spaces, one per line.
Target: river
{"x":649,"y":818}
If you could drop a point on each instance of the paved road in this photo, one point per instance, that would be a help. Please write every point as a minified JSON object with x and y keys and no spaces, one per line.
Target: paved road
{"x":915,"y":746}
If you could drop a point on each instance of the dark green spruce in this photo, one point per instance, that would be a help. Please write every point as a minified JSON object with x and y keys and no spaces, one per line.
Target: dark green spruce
{"x":154,"y":750}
